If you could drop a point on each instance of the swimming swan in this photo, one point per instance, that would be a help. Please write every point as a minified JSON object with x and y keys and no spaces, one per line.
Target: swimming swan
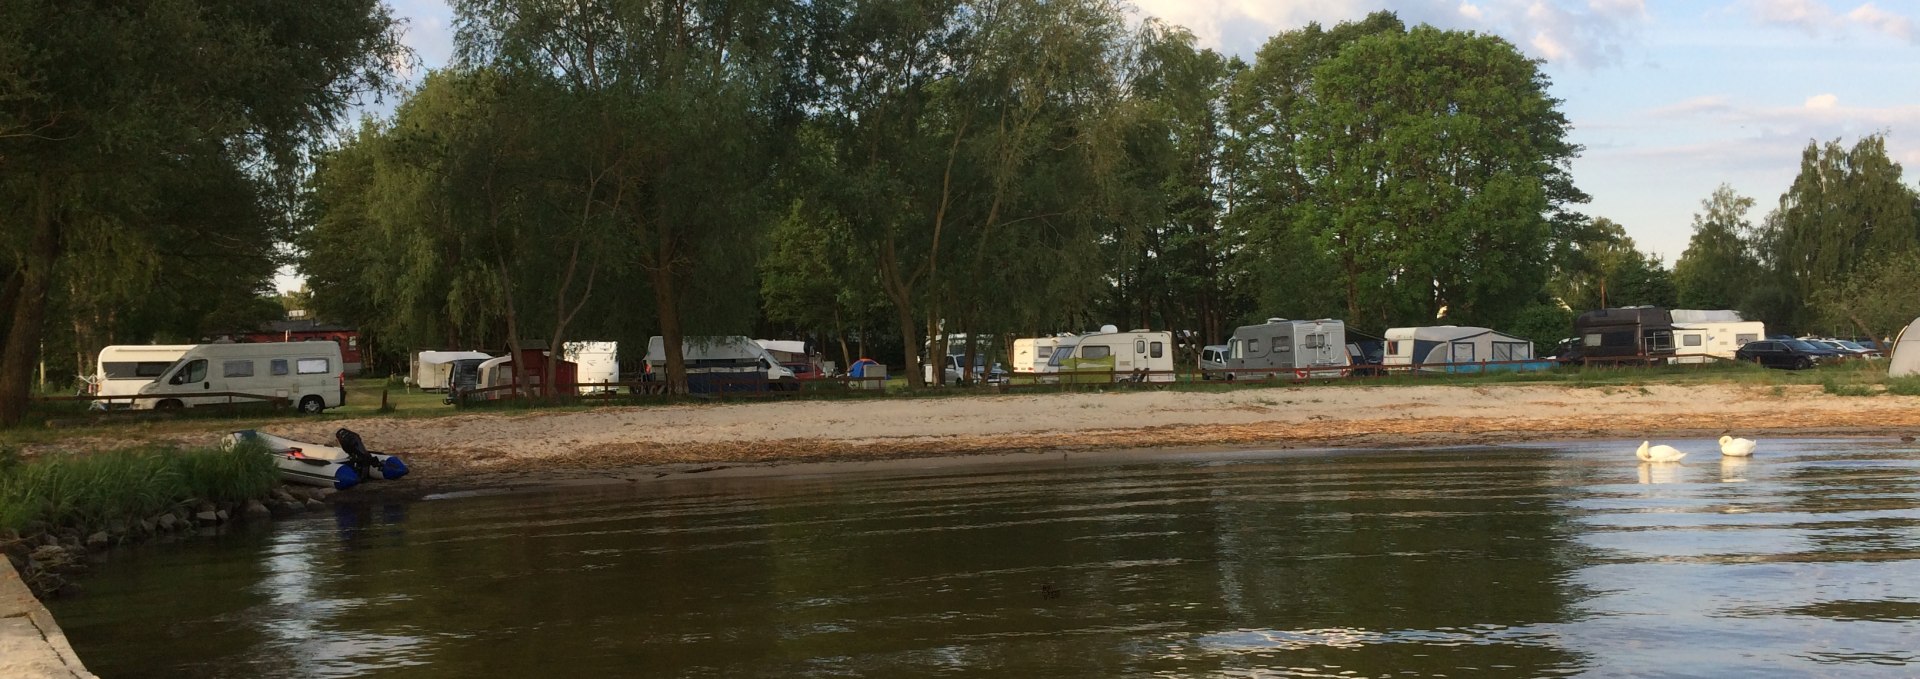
{"x":1658,"y":453}
{"x":1733,"y":447}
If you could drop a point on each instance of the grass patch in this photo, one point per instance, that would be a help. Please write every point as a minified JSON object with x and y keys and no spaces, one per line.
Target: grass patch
{"x":88,"y":490}
{"x":1904,"y":386}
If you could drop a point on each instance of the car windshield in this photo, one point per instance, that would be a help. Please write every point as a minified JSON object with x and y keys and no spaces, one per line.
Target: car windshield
{"x":1855,"y":346}
{"x":1802,"y":345}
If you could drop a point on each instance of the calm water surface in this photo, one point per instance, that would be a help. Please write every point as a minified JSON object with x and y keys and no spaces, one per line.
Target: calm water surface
{"x":1494,"y":562}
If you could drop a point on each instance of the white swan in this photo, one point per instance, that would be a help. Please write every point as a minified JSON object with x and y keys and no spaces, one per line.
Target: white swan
{"x":1733,"y":447}
{"x":1658,"y":453}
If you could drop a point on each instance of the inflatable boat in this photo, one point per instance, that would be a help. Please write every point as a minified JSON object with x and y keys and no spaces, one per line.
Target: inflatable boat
{"x":342,"y":467}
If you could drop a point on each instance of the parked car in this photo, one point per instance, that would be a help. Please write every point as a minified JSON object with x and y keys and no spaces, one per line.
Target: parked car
{"x":1791,"y":354}
{"x":1846,"y":348}
{"x":1213,"y":360}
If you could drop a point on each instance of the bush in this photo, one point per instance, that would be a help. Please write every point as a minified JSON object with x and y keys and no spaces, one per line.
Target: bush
{"x":1904,"y":386}
{"x":87,"y":490}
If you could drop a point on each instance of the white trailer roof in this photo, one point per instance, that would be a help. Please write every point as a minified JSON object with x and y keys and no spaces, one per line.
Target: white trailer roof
{"x":435,"y":357}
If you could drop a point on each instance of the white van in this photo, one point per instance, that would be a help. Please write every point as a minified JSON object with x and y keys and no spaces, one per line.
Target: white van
{"x":123,"y":369}
{"x":308,"y":374}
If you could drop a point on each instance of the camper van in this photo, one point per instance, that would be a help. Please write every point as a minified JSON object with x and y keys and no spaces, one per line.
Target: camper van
{"x":1631,"y":332}
{"x":720,"y":359}
{"x":1131,"y":355}
{"x":1213,"y":360}
{"x":434,"y":370}
{"x":598,"y":363}
{"x":1452,"y":348}
{"x":1030,"y":354}
{"x":308,"y":374}
{"x":123,"y":369}
{"x":1289,"y":349}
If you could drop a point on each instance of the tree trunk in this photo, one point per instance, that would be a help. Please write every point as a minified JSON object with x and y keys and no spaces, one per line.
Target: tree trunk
{"x":840,"y":332}
{"x":672,"y":339}
{"x":909,"y":341}
{"x":22,"y":349}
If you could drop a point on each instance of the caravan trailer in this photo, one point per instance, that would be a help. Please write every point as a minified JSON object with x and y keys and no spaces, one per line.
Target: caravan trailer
{"x":1137,"y":355}
{"x":433,"y":370}
{"x":1290,"y":349}
{"x":1625,"y":333}
{"x":123,"y":369}
{"x":1703,"y":342}
{"x":1453,"y":348}
{"x":722,"y":363}
{"x":597,"y":363}
{"x":1030,"y":354}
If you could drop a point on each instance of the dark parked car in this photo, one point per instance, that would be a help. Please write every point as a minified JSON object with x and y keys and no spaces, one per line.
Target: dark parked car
{"x":1792,"y":354}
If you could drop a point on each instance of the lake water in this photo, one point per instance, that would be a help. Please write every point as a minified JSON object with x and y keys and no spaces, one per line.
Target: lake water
{"x":1523,"y":561}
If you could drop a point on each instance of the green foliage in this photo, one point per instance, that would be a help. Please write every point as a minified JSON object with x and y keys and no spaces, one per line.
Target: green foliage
{"x":1875,"y":300}
{"x":1903,"y":386}
{"x":87,"y":490}
{"x":1847,"y":207}
{"x":1718,"y":269}
{"x":1602,"y":267}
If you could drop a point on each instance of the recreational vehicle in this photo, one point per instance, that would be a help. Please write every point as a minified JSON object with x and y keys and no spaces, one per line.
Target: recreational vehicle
{"x":598,"y":365}
{"x":123,"y":369}
{"x":306,"y":374}
{"x":1137,"y":355}
{"x":797,"y":356}
{"x":1632,"y":332}
{"x":1289,"y":349}
{"x":727,"y":361}
{"x":1700,"y":342}
{"x":1453,"y":348}
{"x":433,"y":370}
{"x":1030,"y":354}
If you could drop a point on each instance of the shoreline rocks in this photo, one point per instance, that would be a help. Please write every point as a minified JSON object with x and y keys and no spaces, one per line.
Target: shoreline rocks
{"x":45,"y":555}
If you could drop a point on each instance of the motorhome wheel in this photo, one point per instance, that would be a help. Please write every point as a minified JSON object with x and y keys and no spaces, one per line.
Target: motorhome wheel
{"x":312,"y":405}
{"x":168,"y":404}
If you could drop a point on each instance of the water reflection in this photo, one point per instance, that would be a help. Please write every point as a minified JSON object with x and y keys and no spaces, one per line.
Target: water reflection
{"x":1530,"y":561}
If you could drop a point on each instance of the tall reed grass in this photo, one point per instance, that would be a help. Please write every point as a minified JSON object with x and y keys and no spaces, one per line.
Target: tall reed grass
{"x":88,"y":490}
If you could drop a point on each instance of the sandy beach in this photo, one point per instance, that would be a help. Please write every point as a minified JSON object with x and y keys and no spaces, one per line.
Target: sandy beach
{"x":490,"y":449}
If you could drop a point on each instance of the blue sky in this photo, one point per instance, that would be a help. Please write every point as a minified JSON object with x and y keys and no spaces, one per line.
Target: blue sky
{"x":1670,"y":98}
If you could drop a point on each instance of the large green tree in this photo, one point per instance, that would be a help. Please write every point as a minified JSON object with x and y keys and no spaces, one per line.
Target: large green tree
{"x":1848,"y":206}
{"x":107,"y":106}
{"x":1718,"y":269}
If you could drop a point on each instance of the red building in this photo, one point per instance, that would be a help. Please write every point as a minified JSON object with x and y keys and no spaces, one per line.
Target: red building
{"x":312,"y":331}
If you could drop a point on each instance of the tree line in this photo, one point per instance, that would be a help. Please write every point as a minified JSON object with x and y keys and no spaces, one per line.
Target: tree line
{"x":864,"y":173}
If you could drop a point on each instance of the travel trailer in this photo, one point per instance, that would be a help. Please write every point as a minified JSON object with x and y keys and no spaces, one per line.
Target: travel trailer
{"x":798,"y":356}
{"x":1631,"y":332}
{"x":1453,"y":348}
{"x":504,"y":371}
{"x":1288,"y":349}
{"x":597,"y":363}
{"x":122,"y":370}
{"x":1137,"y":355}
{"x":1030,"y":354}
{"x":433,"y":370}
{"x":1706,"y":341}
{"x":308,"y":374}
{"x":723,"y":362}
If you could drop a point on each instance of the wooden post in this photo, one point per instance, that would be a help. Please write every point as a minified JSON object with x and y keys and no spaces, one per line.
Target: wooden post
{"x":383,"y":399}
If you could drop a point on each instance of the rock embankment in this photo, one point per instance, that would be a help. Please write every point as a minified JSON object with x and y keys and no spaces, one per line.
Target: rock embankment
{"x":45,"y":557}
{"x":31,"y":644}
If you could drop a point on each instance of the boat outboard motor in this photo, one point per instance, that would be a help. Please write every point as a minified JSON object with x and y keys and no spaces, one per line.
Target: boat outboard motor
{"x":367,"y":462}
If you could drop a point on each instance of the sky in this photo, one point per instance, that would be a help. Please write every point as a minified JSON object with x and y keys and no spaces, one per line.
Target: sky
{"x":1670,"y":99}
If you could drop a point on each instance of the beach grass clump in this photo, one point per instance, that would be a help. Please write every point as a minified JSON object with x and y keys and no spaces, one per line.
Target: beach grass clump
{"x":1836,"y":387}
{"x":1903,"y":386}
{"x":88,"y":490}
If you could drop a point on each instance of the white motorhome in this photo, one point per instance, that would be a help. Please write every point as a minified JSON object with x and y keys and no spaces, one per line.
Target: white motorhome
{"x":1030,"y":354}
{"x":433,"y":370}
{"x":1289,"y":349}
{"x":123,"y":369}
{"x":714,"y":356}
{"x":308,"y":374}
{"x":1454,"y":348}
{"x":1697,"y":342}
{"x":595,"y":362}
{"x":1138,"y":355}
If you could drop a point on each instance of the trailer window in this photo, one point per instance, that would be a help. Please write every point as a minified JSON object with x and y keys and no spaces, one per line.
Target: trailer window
{"x":1043,"y":353}
{"x":1462,"y":352}
{"x":1280,"y":345}
{"x":1096,"y":351}
{"x":1157,"y":350}
{"x":1253,"y":347}
{"x":1691,"y":340}
{"x":278,"y":366}
{"x":1660,"y":340}
{"x":236,"y":369}
{"x":312,"y":366}
{"x":1316,"y":340}
{"x":1743,"y":340}
{"x":134,"y":370}
{"x":1393,"y":348}
{"x":1592,"y":339}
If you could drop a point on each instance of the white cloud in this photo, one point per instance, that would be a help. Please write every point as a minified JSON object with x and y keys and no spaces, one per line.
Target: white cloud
{"x":1822,"y":101}
{"x":1576,"y":33}
{"x":1817,"y":18}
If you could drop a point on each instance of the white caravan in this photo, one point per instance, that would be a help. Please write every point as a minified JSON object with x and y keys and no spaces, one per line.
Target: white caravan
{"x":1453,"y":348}
{"x":433,"y":370}
{"x":308,"y":374}
{"x":1290,"y":349}
{"x":123,"y":369}
{"x":1030,"y":354}
{"x":1137,"y":355}
{"x":718,"y":354}
{"x":595,"y":363}
{"x":1703,"y":342}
